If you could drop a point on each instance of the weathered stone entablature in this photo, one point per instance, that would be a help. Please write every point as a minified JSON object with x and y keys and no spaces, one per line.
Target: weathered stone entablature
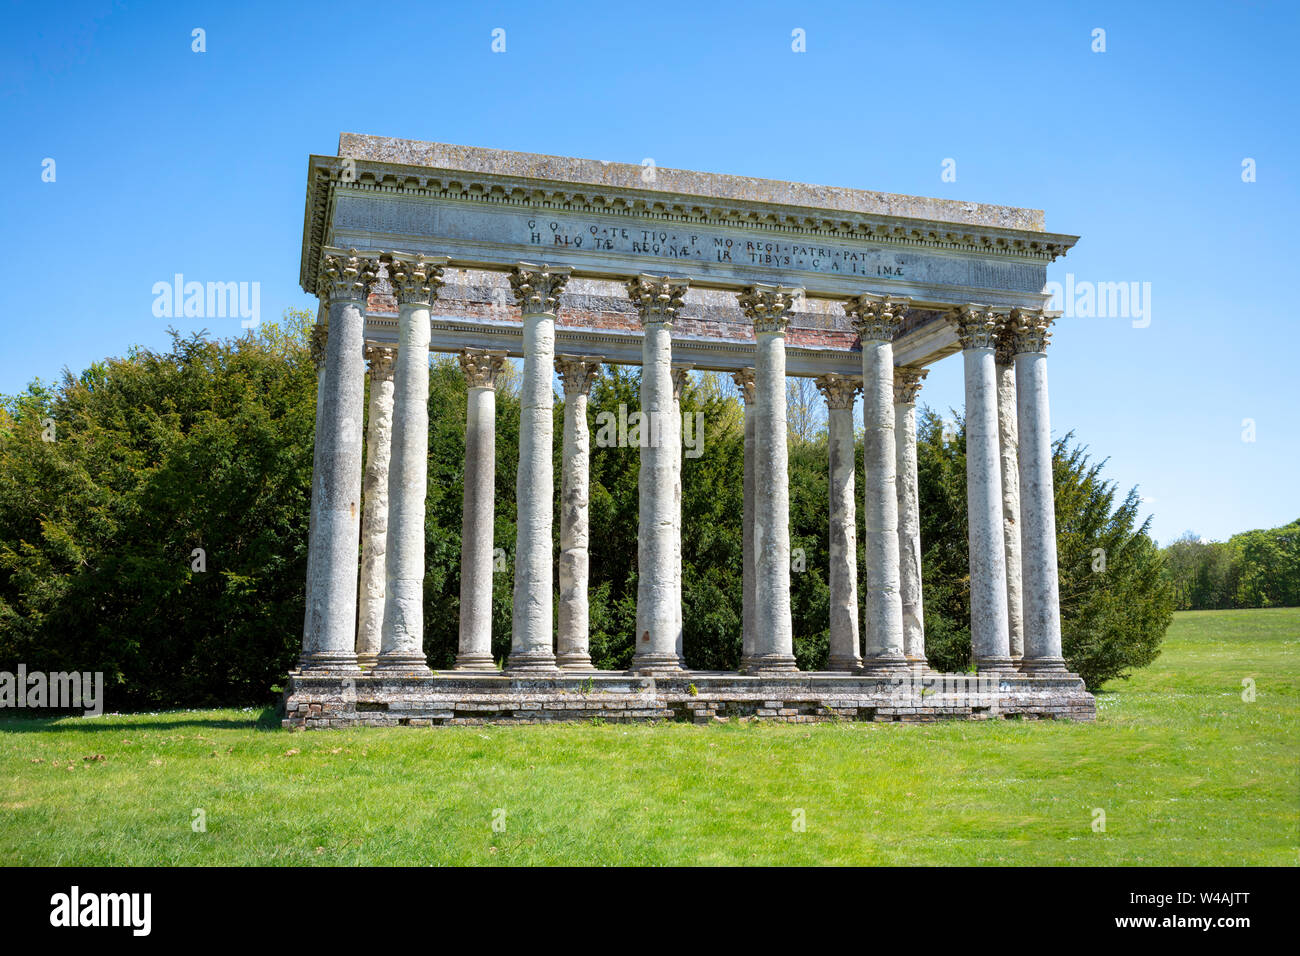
{"x":487,"y":210}
{"x":467,"y":174}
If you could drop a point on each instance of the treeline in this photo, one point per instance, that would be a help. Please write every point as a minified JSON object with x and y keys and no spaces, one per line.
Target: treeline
{"x":154,"y":508}
{"x":1251,"y":569}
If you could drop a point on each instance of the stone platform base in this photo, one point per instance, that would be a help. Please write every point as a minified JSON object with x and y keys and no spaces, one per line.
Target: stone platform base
{"x":313,"y":701}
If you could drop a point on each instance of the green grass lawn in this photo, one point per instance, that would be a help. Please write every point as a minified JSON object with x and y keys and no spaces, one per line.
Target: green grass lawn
{"x":1186,"y":771}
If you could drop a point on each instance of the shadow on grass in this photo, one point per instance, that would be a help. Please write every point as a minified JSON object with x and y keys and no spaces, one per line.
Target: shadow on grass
{"x":268,"y":718}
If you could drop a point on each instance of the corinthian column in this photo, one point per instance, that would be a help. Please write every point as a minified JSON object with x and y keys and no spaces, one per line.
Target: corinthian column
{"x":478,"y":511}
{"x":329,"y":642}
{"x":680,"y":375}
{"x":319,"y":338}
{"x":657,"y":300}
{"x":1009,"y":459}
{"x":1042,"y":602}
{"x":374,"y":504}
{"x":577,"y":372}
{"x":845,"y":653}
{"x":744,"y":380}
{"x":415,"y":281}
{"x":538,"y":289}
{"x":989,"y":634}
{"x":907,"y":382}
{"x":768,"y":307}
{"x":877,"y":319}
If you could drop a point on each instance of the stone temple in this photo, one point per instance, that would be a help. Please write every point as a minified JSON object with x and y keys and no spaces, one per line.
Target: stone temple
{"x":571,"y":263}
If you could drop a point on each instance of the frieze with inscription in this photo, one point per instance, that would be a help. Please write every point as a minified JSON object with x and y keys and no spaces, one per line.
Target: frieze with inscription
{"x":474,"y":230}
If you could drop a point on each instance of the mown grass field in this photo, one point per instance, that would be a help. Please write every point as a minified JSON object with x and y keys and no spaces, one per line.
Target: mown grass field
{"x":1185,"y":770}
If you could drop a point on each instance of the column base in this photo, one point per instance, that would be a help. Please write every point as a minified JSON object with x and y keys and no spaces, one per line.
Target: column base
{"x":474,"y":662}
{"x":772,"y":664}
{"x":918,"y":665}
{"x":329,"y":663}
{"x":652,"y":664}
{"x":846,"y":664}
{"x":1043,"y":665}
{"x":995,"y":665}
{"x":367,"y":661}
{"x":574,"y":662}
{"x":402,"y":665}
{"x":885,"y":666}
{"x":536,"y":663}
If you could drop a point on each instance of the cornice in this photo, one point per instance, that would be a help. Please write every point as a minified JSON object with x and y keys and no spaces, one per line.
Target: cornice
{"x":328,"y":174}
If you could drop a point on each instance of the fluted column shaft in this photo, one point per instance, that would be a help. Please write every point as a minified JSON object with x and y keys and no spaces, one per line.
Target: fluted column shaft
{"x":877,"y":319}
{"x":374,"y":505}
{"x":744,"y":380}
{"x":415,"y":281}
{"x":657,"y":300}
{"x":768,"y":307}
{"x":329,"y":644}
{"x":478,"y":512}
{"x":990,"y":640}
{"x":907,"y":382}
{"x":1008,"y":457}
{"x":1042,"y":603}
{"x":845,"y":653}
{"x":538,"y":289}
{"x":573,"y":637}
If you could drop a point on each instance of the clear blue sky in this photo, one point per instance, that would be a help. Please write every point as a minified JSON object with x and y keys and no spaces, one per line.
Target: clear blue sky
{"x":173,"y":161}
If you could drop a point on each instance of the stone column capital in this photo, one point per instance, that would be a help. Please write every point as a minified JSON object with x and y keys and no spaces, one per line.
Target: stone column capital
{"x":481,"y":367}
{"x":1029,"y":330}
{"x":744,"y":379}
{"x":839,"y":390}
{"x":577,"y":372}
{"x":415,"y":278}
{"x":679,"y":373}
{"x":656,"y":298}
{"x":1005,"y":349}
{"x":380,"y":358}
{"x":877,"y":318}
{"x":977,"y":326}
{"x":768,"y":306}
{"x":537,"y":288}
{"x":345,"y":276}
{"x":319,"y":339}
{"x":907,"y":382}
